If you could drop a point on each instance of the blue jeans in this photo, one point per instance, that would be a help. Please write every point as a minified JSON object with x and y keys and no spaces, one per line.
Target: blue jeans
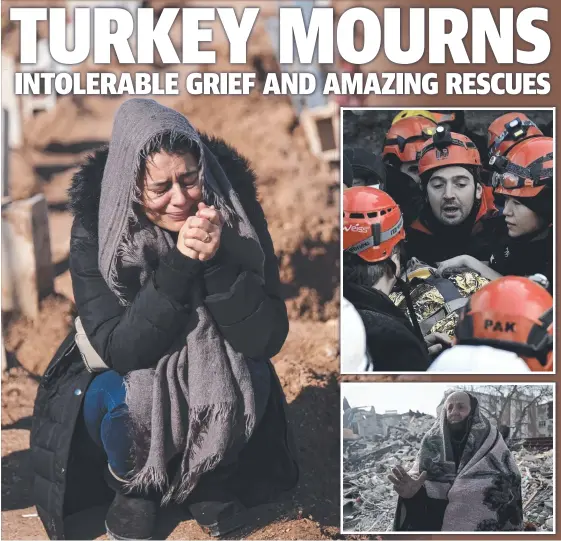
{"x":107,"y":420}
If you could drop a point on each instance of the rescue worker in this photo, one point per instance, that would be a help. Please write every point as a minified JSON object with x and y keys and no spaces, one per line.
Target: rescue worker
{"x":373,"y":235}
{"x":404,"y":139}
{"x":459,"y":215}
{"x":507,"y":326}
{"x":369,"y":169}
{"x":355,"y":356}
{"x":525,"y":179}
{"x":452,"y":119}
{"x":507,"y":131}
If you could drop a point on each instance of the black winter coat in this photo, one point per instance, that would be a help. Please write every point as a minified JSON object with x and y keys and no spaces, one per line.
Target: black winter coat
{"x":432,"y":242}
{"x":525,"y":256}
{"x":390,"y":337}
{"x":253,"y":318}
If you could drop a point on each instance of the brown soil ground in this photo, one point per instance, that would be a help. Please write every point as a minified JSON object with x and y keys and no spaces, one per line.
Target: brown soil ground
{"x":300,"y":198}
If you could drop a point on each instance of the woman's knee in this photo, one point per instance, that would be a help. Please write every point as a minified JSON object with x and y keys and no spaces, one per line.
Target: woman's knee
{"x":107,"y":390}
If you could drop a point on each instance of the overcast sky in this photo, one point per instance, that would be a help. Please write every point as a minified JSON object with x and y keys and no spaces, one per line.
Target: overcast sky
{"x":396,"y":396}
{"x":402,"y":397}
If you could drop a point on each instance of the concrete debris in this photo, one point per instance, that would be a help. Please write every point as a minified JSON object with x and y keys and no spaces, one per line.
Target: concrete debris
{"x":369,"y":501}
{"x":536,"y":469}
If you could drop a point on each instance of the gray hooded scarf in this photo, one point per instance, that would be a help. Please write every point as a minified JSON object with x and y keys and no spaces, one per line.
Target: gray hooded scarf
{"x":483,"y":492}
{"x":198,"y":401}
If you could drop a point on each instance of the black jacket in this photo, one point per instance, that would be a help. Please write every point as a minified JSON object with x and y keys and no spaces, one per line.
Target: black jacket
{"x":432,"y":242}
{"x":252,"y":318}
{"x":420,"y":513}
{"x":390,"y":337}
{"x":406,"y":193}
{"x":525,"y":256}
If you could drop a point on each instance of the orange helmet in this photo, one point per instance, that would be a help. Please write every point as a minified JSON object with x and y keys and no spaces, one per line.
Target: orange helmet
{"x":508,"y":130}
{"x":372,"y":223}
{"x":407,"y":137}
{"x":511,"y":313}
{"x":447,"y":148}
{"x":444,"y":116}
{"x":527,"y":170}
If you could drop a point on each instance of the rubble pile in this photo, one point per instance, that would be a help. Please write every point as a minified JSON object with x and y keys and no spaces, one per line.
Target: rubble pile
{"x":536,"y":469}
{"x":369,"y":501}
{"x":368,"y":497}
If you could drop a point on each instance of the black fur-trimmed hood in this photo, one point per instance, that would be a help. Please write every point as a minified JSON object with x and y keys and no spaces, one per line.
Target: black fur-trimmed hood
{"x":85,"y":190}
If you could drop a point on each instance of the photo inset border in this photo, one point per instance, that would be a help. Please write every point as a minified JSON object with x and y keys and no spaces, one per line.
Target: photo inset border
{"x":362,"y":140}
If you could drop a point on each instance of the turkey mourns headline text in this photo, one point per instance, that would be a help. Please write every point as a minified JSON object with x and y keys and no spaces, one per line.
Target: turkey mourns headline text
{"x":97,"y":33}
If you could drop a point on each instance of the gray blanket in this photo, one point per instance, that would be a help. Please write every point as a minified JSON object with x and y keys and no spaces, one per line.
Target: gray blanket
{"x":484,"y":492}
{"x":199,"y":400}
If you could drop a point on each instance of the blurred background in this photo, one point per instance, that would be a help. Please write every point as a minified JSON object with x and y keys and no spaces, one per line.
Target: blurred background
{"x":367,"y":129}
{"x":292,"y":146}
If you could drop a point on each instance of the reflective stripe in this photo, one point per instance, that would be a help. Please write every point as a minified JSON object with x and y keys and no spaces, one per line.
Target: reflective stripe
{"x":369,"y":242}
{"x":387,"y":235}
{"x":361,"y":246}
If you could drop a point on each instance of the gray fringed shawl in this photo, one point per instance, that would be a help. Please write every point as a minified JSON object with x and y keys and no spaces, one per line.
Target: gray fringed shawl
{"x":198,"y":401}
{"x":484,"y":493}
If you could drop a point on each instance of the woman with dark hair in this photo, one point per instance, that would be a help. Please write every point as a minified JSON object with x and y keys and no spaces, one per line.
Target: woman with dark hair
{"x":525,"y":180}
{"x":165,"y":391}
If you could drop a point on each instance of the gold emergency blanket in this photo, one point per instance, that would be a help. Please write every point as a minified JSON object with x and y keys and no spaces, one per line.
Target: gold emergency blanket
{"x":427,"y":300}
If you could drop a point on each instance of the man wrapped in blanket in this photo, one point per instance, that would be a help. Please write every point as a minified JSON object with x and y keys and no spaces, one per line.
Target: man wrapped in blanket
{"x":464,"y":478}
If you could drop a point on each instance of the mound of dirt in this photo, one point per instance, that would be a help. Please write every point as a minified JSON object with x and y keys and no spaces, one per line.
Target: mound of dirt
{"x":34,"y":342}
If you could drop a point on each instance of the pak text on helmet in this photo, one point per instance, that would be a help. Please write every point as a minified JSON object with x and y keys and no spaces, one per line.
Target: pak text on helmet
{"x":511,"y":313}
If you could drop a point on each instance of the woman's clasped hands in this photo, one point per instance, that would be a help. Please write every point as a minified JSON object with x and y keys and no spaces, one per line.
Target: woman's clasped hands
{"x":199,"y":237}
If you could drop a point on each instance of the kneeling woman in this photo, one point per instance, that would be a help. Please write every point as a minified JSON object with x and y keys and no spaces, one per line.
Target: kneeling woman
{"x":526,"y":181}
{"x":165,"y":392}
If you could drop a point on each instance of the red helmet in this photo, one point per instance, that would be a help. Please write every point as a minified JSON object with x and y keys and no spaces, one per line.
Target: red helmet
{"x":372,"y":223}
{"x":511,"y":313}
{"x":447,"y":148}
{"x":527,"y":170}
{"x":406,"y":137}
{"x":443,"y":117}
{"x":508,"y":130}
